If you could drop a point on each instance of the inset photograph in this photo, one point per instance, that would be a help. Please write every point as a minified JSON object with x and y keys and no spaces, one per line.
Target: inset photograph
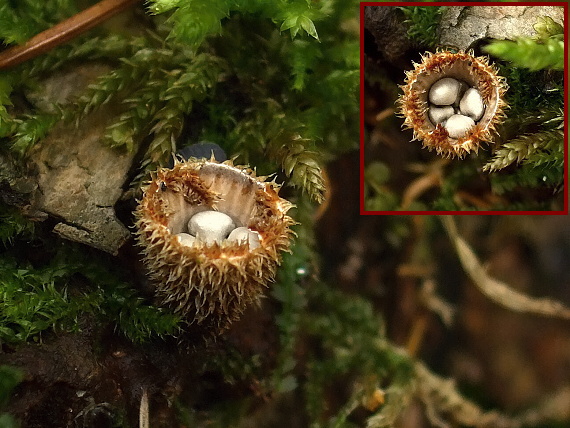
{"x":463,"y":108}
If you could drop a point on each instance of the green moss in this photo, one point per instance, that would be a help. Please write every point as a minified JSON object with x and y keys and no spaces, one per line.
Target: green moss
{"x":527,"y":53}
{"x":546,"y":50}
{"x":70,"y":287}
{"x":30,"y":129}
{"x":290,"y":294}
{"x":352,"y":344}
{"x":217,"y":66}
{"x":423,"y":23}
{"x":13,"y":225}
{"x":10,"y":377}
{"x":536,"y":101}
{"x":21,"y":20}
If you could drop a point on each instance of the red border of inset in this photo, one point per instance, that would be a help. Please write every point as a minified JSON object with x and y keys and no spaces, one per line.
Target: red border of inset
{"x":362,"y":5}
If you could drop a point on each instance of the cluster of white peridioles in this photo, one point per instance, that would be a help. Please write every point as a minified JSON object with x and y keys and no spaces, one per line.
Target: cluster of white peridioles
{"x":455,"y":105}
{"x":215,"y":226}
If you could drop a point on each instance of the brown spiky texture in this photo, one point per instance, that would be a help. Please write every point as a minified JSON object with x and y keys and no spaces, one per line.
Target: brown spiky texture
{"x":475,"y":71}
{"x":211,"y":285}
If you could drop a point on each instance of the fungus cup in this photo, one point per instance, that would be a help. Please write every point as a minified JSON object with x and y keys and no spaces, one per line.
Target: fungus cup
{"x":210,"y":282}
{"x":461,"y":81}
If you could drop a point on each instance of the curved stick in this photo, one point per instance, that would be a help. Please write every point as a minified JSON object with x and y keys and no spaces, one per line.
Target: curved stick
{"x":63,"y":32}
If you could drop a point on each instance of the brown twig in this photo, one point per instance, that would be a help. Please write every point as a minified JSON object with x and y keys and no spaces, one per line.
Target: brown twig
{"x":417,"y":334}
{"x":498,"y":291}
{"x":432,"y":176}
{"x":63,"y":32}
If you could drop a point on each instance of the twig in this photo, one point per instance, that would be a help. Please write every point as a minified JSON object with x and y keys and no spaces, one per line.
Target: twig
{"x":144,"y":411}
{"x":496,"y":290}
{"x":420,"y":185}
{"x":417,"y":335}
{"x":440,"y":396}
{"x":430,"y":299}
{"x":63,"y":32}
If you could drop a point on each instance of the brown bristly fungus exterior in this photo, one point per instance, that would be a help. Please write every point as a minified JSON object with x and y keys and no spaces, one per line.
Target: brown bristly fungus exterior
{"x":453,"y":102}
{"x":185,"y":220}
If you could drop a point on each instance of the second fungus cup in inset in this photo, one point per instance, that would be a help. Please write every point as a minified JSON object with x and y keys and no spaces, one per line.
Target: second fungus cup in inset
{"x":452,"y":102}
